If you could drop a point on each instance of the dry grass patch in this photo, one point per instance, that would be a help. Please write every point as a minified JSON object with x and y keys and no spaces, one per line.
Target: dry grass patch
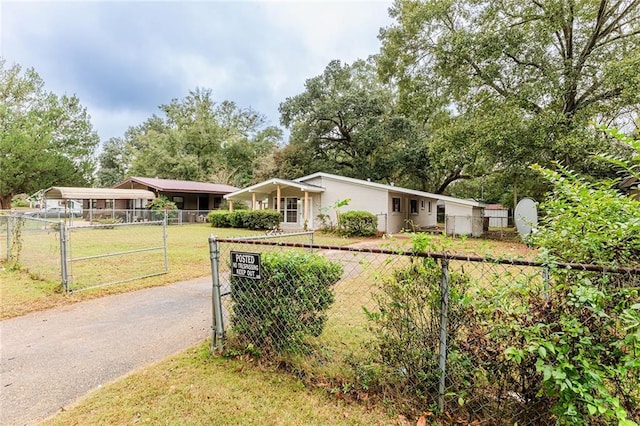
{"x":508,"y":248}
{"x":197,"y":389}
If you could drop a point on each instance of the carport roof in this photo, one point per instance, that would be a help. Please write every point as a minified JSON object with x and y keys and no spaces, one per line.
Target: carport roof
{"x":77,"y":193}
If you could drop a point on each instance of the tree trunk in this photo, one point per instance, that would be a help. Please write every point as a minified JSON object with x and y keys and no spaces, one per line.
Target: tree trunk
{"x":5,"y":201}
{"x":515,"y":194}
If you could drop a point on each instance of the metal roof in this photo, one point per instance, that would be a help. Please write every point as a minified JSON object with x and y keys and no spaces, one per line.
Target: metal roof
{"x":76,"y":193}
{"x":172,"y":185}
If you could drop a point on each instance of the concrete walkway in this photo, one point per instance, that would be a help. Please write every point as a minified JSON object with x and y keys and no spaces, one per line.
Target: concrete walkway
{"x":50,"y":359}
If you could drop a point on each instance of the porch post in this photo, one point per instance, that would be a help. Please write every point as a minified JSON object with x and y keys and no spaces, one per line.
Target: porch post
{"x":230,"y":205}
{"x":253,"y":201}
{"x":278,"y":198}
{"x":306,"y":206}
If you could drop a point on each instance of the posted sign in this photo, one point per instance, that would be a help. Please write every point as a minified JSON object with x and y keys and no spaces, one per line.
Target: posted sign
{"x":245,"y":265}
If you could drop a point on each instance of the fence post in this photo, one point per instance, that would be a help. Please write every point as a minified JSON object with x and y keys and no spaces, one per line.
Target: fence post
{"x":63,"y":256}
{"x":545,"y":277}
{"x":217,"y":335}
{"x":164,"y":243}
{"x":9,"y":231}
{"x":312,"y":242}
{"x":442,"y":356}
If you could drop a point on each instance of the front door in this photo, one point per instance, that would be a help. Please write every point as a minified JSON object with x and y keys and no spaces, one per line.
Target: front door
{"x":203,"y":202}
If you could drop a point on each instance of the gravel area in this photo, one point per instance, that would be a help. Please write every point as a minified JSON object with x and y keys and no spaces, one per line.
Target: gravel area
{"x":50,"y":359}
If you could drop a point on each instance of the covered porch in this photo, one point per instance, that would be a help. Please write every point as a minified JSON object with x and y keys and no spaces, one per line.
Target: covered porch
{"x":297,"y":202}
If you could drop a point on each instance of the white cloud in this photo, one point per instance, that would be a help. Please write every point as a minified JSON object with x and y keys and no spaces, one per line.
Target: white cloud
{"x":124,"y":59}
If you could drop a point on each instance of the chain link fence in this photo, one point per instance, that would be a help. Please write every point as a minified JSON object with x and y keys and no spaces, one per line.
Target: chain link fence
{"x":83,"y":257}
{"x":104,"y":216}
{"x":34,"y":244}
{"x":445,"y":337}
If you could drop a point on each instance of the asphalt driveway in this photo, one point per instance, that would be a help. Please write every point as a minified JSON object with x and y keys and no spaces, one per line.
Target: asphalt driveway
{"x":50,"y":359}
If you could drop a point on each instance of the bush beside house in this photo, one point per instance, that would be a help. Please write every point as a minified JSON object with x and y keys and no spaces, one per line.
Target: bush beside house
{"x":249,"y":219}
{"x":357,"y":223}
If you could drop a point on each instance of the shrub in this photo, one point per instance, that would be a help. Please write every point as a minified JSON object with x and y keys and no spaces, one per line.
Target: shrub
{"x":588,"y":223}
{"x":261,"y":219}
{"x":249,"y":219}
{"x":219,"y":219}
{"x":407,"y":331}
{"x":19,"y":202}
{"x":161,"y":203}
{"x":568,"y":352}
{"x":289,"y":302}
{"x":585,"y":343}
{"x":236,"y":219}
{"x":357,"y":223}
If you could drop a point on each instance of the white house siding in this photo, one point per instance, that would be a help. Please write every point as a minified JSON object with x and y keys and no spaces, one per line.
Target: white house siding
{"x":363,"y":198}
{"x":459,"y":219}
{"x":498,"y":217}
{"x":404,"y":219}
{"x":425,"y":214}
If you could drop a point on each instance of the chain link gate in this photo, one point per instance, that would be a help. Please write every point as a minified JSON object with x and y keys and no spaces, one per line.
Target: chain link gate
{"x":84,"y":257}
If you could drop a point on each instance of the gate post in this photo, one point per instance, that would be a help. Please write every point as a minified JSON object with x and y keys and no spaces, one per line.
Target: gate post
{"x":164,"y":244}
{"x":217,"y":336}
{"x":63,"y":255}
{"x":442,"y":356}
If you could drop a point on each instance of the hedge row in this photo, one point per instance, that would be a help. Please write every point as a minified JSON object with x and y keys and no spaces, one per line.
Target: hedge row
{"x":248,"y":219}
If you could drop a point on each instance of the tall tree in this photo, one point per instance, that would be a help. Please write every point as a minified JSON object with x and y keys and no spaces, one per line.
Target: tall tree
{"x":546,"y":68}
{"x":342,"y":123}
{"x":45,"y":140}
{"x":199,"y":139}
{"x":113,"y":162}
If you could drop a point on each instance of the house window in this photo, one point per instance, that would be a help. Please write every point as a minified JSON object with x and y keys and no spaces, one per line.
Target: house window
{"x":422,"y":204}
{"x":108,"y":204}
{"x":395,"y":205}
{"x":179,"y":201}
{"x":413,"y":206}
{"x":429,"y":206}
{"x":288,"y":209}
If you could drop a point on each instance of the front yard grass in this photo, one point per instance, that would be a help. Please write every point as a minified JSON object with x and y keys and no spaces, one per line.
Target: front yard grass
{"x":196,"y":388}
{"x":24,"y":291}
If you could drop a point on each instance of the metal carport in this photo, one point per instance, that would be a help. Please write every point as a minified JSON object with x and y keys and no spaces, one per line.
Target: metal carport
{"x":79,"y":193}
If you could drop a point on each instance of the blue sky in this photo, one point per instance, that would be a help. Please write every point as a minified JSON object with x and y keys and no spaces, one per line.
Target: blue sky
{"x":125,"y":58}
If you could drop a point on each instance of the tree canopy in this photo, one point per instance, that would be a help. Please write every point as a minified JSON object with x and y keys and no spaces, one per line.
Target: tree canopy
{"x":343,"y":123}
{"x":113,"y":162}
{"x":526,"y":77}
{"x":45,"y":140}
{"x":201,"y":140}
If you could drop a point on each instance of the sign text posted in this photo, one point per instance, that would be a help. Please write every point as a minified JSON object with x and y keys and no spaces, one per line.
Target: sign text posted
{"x":245,"y":265}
